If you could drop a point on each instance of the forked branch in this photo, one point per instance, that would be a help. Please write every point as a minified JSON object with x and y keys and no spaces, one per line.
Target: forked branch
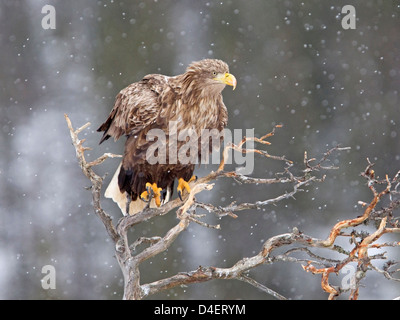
{"x":130,"y":258}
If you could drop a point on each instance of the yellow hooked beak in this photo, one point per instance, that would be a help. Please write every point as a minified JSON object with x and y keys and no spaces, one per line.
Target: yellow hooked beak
{"x":228,"y":79}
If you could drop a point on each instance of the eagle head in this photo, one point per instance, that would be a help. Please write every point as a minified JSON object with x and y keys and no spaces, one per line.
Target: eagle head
{"x":212,"y":74}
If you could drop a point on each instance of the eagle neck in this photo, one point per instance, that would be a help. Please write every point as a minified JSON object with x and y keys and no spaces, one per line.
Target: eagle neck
{"x":198,"y":104}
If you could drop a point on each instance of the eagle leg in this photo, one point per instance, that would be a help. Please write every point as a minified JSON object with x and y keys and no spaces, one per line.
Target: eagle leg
{"x":147,"y":194}
{"x":128,"y":203}
{"x":152,"y":191}
{"x":182,"y":184}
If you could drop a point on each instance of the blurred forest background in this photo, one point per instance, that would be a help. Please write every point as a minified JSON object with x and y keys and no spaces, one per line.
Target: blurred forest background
{"x":295,"y":66}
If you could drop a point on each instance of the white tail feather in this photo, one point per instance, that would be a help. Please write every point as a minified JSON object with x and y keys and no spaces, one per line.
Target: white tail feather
{"x":120,"y":198}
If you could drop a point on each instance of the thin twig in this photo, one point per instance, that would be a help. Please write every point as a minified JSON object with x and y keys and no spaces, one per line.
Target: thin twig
{"x":130,"y":260}
{"x":261,"y":287}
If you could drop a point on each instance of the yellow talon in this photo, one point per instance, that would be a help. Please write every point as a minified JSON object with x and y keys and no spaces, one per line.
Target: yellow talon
{"x":154,"y":190}
{"x":182,"y":184}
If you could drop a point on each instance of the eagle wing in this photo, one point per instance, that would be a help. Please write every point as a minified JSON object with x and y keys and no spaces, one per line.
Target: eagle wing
{"x":136,"y":107}
{"x":192,"y":102}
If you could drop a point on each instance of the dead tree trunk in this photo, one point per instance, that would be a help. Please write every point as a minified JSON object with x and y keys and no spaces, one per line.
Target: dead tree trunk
{"x":130,"y":261}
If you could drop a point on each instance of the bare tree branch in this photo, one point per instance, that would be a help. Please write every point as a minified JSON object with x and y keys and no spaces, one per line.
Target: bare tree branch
{"x":96,"y":180}
{"x":296,"y":242}
{"x":261,"y":287}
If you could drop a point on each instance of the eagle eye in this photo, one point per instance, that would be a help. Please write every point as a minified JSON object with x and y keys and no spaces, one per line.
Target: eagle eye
{"x":214,"y":73}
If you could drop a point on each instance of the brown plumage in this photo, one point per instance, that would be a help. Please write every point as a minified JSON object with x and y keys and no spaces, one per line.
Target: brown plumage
{"x":192,"y":101}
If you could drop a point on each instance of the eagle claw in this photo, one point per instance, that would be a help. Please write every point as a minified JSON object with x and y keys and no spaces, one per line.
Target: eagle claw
{"x":182,"y":184}
{"x":152,"y":191}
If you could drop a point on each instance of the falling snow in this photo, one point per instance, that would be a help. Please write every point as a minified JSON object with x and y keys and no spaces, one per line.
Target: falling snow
{"x":295,"y":65}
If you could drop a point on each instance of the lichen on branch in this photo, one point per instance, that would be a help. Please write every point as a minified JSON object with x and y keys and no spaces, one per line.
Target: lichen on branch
{"x":130,"y":258}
